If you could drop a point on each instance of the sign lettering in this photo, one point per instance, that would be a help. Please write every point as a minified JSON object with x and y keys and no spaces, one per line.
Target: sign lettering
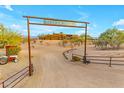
{"x":59,"y":22}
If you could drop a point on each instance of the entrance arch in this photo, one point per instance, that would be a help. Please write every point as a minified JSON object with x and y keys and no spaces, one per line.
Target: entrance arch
{"x":54,"y":22}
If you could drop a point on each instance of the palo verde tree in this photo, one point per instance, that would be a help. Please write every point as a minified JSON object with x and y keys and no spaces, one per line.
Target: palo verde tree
{"x":9,"y":37}
{"x":2,"y":41}
{"x":112,"y":38}
{"x":82,"y":36}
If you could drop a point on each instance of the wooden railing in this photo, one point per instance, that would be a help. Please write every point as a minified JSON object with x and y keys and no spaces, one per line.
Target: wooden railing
{"x":15,"y":79}
{"x":67,"y":51}
{"x":110,"y":60}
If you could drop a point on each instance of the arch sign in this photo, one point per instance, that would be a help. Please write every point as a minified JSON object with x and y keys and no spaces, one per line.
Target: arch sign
{"x":33,"y":20}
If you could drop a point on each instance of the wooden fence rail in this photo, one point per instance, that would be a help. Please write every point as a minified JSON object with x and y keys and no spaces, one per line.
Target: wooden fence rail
{"x":67,"y":51}
{"x":15,"y":79}
{"x":110,"y":60}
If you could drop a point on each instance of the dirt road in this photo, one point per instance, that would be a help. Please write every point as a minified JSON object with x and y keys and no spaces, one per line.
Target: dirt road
{"x":52,"y":70}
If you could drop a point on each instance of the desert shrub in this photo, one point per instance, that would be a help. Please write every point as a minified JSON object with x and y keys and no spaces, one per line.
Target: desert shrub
{"x":112,"y":38}
{"x":82,"y":36}
{"x":75,"y":58}
{"x":2,"y":44}
{"x":13,"y":51}
{"x":10,"y":37}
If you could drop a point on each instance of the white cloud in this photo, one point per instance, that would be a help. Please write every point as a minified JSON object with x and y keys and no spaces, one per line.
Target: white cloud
{"x":120,"y":22}
{"x":79,"y":32}
{"x":82,"y":15}
{"x":121,"y":29}
{"x":15,"y":26}
{"x":48,"y":30}
{"x":8,"y":7}
{"x":2,"y":15}
{"x":89,"y":28}
{"x":25,"y":30}
{"x":94,"y":25}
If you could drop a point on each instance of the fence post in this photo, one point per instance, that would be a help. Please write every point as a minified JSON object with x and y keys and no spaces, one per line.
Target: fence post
{"x":3,"y":84}
{"x":72,"y":56}
{"x":110,"y":61}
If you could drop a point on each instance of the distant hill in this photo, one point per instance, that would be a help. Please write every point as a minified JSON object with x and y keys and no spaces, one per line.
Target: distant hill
{"x":57,"y":36}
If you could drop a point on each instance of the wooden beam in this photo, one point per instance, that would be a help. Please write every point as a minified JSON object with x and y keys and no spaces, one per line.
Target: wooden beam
{"x":55,"y":19}
{"x":57,"y":25}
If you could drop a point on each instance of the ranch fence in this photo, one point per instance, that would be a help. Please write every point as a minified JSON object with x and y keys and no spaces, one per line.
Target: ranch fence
{"x":15,"y":79}
{"x":67,"y":51}
{"x":108,"y":60}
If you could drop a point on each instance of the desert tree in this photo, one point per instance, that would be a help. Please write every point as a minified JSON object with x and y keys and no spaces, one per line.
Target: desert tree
{"x":112,"y":38}
{"x":10,"y":37}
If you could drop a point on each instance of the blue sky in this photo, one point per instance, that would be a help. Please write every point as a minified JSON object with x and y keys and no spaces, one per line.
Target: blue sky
{"x":100,"y":17}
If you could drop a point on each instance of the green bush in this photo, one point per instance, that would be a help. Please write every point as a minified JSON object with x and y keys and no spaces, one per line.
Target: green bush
{"x":75,"y":58}
{"x":1,"y":45}
{"x":13,"y":51}
{"x":9,"y":37}
{"x":111,"y":37}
